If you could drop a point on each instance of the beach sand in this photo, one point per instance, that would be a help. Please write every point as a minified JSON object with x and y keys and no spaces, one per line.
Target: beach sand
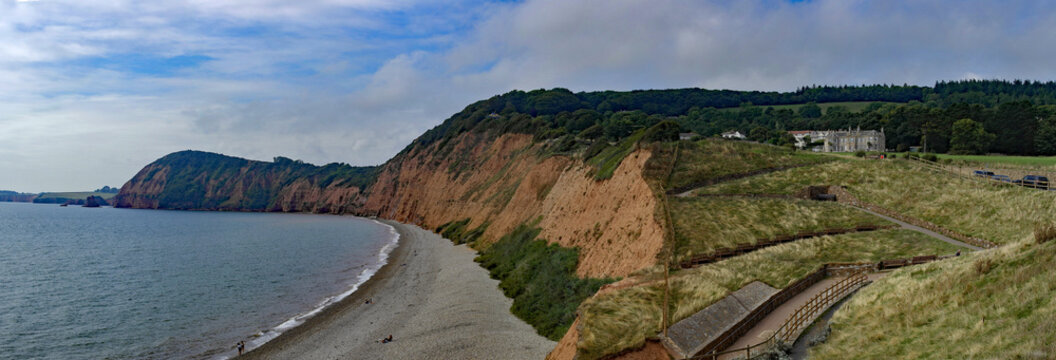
{"x":434,"y":300}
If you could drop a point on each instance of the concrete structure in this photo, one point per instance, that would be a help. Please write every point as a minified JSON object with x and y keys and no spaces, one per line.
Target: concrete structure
{"x":733,"y":135}
{"x":698,"y":333}
{"x":842,"y":140}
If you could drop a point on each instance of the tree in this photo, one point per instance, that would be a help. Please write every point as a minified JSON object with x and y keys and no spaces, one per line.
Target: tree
{"x":616,"y":128}
{"x":810,"y":110}
{"x":1045,"y":139}
{"x":759,"y":134}
{"x":969,"y":137}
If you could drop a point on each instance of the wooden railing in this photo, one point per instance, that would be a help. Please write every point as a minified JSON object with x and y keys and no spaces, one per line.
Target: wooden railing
{"x":799,"y":320}
{"x":803,"y":317}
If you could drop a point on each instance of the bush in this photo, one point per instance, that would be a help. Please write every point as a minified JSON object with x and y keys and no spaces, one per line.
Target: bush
{"x":592,"y":132}
{"x":859,"y":153}
{"x":930,"y":157}
{"x":1043,"y":233}
{"x":666,"y":130}
{"x":892,"y":156}
{"x":457,"y":232}
{"x":540,"y":278}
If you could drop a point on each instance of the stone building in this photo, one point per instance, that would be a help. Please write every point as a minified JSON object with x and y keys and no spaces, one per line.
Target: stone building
{"x":842,"y":140}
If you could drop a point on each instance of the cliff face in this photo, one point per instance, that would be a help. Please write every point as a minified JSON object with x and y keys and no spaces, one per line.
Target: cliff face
{"x":193,"y":180}
{"x":504,"y":182}
{"x":495,"y":181}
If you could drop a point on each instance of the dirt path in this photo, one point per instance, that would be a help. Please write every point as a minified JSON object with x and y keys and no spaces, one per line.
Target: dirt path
{"x":919,"y":229}
{"x":683,"y":191}
{"x":762,"y":331}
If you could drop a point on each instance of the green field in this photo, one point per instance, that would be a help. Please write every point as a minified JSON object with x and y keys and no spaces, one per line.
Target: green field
{"x":1000,"y":214}
{"x":704,"y":224}
{"x":77,"y":195}
{"x":1031,"y":161}
{"x":709,"y":159}
{"x":852,"y":106}
{"x":1018,"y":161}
{"x":623,"y":319}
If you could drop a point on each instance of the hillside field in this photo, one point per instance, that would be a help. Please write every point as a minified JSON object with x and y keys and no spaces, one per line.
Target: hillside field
{"x":81,"y":195}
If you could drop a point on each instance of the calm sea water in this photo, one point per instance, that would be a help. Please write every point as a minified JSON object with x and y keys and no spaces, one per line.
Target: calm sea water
{"x":104,"y":283}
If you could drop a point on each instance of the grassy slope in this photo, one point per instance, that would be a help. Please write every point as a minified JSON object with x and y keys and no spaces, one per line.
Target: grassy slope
{"x":541,"y":279}
{"x":993,"y":160}
{"x":1001,"y":214}
{"x":622,"y":319}
{"x":703,"y":224}
{"x":1028,"y":161}
{"x":610,"y":158}
{"x":996,"y":304}
{"x":712,"y":158}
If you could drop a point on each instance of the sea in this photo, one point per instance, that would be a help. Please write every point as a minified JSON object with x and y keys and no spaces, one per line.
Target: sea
{"x":106,"y":283}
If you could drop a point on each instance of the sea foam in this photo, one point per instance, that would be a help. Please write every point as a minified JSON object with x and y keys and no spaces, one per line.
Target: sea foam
{"x":383,"y":258}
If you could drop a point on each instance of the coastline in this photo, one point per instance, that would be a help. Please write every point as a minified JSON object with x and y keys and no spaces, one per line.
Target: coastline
{"x":431,"y":296}
{"x":384,"y":257}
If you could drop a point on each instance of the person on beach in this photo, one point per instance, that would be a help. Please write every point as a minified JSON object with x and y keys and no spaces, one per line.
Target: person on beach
{"x":241,"y":347}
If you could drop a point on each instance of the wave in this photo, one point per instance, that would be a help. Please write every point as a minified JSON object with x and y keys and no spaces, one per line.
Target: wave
{"x":383,"y":258}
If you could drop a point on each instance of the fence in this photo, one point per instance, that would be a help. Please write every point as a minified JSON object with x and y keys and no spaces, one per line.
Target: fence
{"x":800,"y":319}
{"x":761,"y":312}
{"x":968,"y":172}
{"x":722,"y":253}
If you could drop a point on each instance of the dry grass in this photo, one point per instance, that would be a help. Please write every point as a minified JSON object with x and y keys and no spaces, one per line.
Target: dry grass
{"x":713,"y":158}
{"x":704,"y":224}
{"x":995,"y":304}
{"x":1044,"y":233}
{"x":622,"y":319}
{"x":1001,"y":214}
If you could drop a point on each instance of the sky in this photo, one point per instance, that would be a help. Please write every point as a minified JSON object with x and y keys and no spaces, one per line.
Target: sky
{"x":93,"y":90}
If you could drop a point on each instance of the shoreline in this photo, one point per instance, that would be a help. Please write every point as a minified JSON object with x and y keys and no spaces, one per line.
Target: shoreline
{"x":384,"y":258}
{"x":430,"y":295}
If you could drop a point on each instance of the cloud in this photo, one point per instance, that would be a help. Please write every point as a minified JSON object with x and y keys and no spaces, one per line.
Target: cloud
{"x":355,"y":80}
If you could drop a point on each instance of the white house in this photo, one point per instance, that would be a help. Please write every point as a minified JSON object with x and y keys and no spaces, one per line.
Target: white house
{"x":842,"y":140}
{"x":733,"y":135}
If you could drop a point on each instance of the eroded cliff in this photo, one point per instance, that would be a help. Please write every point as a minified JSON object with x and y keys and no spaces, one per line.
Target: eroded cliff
{"x":505,"y":182}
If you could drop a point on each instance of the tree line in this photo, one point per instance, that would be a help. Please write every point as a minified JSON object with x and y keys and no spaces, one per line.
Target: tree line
{"x":970,"y":116}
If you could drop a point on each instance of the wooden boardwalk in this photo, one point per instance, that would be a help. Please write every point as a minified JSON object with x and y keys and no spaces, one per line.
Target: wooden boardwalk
{"x":762,"y":331}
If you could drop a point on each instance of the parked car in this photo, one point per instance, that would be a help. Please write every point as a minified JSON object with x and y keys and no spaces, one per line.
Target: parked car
{"x":1001,"y":178}
{"x":984,"y":173}
{"x":1033,"y":181}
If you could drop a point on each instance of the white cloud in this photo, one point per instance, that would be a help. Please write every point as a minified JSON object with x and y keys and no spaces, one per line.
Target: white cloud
{"x":355,"y":80}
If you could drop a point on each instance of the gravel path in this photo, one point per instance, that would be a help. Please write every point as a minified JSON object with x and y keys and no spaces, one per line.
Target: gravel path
{"x":434,"y":301}
{"x":919,"y":229}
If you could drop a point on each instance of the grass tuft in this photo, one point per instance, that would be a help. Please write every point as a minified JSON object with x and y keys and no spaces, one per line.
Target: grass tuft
{"x":994,"y":304}
{"x":710,"y":159}
{"x":704,"y":224}
{"x":1043,"y":233}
